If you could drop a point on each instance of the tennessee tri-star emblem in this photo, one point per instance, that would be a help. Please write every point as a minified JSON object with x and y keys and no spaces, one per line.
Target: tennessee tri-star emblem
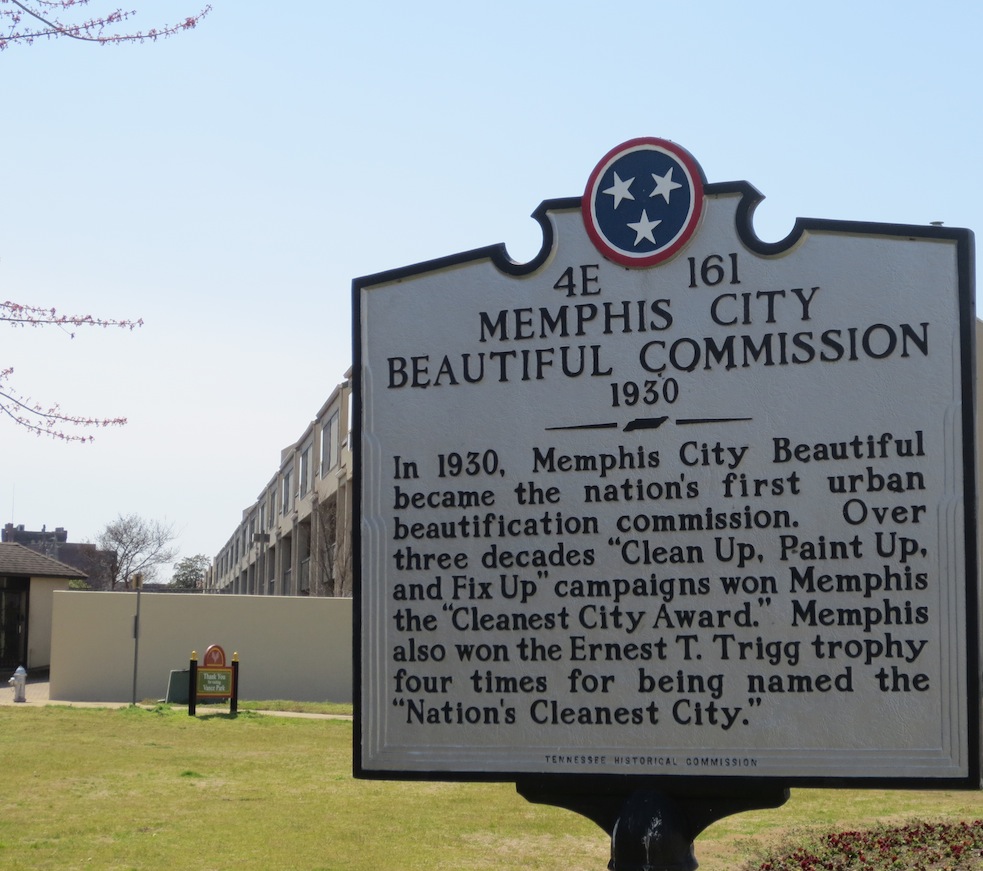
{"x":643,"y":202}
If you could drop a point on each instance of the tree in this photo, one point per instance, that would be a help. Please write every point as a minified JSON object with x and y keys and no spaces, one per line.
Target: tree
{"x":41,"y":419}
{"x":23,"y":23}
{"x":333,"y":549}
{"x":189,"y":573}
{"x":26,"y":22}
{"x":140,"y":546}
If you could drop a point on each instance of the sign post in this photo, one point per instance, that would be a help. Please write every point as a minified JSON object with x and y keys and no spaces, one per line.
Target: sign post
{"x":214,"y":679}
{"x":670,"y":515}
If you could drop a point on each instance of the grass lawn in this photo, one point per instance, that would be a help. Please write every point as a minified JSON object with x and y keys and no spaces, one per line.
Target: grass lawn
{"x":150,"y":789}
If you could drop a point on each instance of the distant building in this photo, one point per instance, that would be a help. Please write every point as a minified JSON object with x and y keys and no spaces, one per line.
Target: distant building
{"x":295,"y":539}
{"x":95,"y":564}
{"x":28,"y":581}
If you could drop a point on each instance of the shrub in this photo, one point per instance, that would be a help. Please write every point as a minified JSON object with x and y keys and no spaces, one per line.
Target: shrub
{"x":919,"y":846}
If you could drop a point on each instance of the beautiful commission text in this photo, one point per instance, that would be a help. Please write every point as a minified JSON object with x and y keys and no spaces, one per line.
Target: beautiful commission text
{"x":877,"y":341}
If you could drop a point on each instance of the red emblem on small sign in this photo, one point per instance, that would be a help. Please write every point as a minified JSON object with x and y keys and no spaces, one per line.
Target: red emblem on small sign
{"x":214,"y":657}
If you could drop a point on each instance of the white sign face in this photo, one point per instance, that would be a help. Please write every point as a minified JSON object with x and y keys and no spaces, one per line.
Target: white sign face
{"x":683,"y":504}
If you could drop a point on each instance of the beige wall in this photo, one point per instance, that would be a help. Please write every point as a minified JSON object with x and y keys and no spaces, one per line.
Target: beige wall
{"x":289,"y":647}
{"x":39,"y":620}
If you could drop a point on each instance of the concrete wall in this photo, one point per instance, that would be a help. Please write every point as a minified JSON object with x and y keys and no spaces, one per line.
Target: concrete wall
{"x":39,"y":620}
{"x":289,"y":647}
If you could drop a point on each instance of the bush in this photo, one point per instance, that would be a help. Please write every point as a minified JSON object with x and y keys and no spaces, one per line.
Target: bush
{"x":915,"y":847}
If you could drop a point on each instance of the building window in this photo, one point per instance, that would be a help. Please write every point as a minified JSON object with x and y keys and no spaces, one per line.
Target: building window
{"x":287,"y":497}
{"x":329,"y":444}
{"x":305,"y":470}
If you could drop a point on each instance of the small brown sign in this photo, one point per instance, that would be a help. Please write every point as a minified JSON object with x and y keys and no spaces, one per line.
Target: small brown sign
{"x":213,"y":679}
{"x":214,"y":657}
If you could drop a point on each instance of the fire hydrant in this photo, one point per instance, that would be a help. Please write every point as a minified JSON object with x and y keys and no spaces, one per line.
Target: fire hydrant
{"x":19,"y":683}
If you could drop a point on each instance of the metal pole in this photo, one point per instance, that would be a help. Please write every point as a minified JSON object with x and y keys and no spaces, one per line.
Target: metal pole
{"x":136,"y":645}
{"x":651,"y":828}
{"x":193,"y":683}
{"x":234,"y":703}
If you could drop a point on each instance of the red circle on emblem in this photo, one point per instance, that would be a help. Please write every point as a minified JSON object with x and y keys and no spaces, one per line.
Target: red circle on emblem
{"x":650,"y":239}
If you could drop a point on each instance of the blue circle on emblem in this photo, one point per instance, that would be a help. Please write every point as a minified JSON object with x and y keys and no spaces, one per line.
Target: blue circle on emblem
{"x":643,"y":202}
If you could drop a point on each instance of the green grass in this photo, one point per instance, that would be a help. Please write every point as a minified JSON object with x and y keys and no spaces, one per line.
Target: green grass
{"x":138,"y":788}
{"x":337,"y":708}
{"x":152,"y":788}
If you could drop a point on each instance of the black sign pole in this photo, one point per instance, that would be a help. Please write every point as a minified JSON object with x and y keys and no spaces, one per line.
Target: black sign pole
{"x":193,"y":683}
{"x":136,"y":645}
{"x":651,"y":829}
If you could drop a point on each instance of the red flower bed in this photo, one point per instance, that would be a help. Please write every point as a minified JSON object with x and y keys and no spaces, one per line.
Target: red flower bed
{"x":915,"y":847}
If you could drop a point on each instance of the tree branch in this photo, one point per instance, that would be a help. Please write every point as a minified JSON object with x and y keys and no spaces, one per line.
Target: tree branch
{"x":91,"y":30}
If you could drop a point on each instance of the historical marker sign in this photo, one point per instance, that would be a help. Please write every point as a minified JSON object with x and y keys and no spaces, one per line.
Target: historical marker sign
{"x":669,"y":500}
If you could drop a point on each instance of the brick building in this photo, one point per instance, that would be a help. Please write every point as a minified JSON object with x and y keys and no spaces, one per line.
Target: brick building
{"x":94,"y":563}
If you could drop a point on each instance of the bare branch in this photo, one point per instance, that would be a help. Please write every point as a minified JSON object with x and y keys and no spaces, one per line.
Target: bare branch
{"x":25,"y":412}
{"x":140,"y":545}
{"x":51,"y":24}
{"x":35,"y":316}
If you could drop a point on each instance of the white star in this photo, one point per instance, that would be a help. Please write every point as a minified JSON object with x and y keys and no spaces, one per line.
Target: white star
{"x":643,"y":228}
{"x":664,"y":185}
{"x":619,"y":190}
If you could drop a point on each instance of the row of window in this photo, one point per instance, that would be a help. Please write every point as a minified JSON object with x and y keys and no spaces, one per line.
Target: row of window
{"x":330,"y":453}
{"x":288,"y":489}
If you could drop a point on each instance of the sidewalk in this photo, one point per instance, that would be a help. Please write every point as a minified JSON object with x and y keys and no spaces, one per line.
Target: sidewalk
{"x":37,"y":693}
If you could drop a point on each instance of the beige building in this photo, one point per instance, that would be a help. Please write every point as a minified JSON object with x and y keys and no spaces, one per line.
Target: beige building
{"x":28,"y":582}
{"x":295,"y":539}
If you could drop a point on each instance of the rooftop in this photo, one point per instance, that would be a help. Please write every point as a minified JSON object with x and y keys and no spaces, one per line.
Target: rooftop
{"x":15,"y":559}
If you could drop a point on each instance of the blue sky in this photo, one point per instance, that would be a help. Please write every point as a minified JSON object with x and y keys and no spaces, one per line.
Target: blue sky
{"x":226,"y":186}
